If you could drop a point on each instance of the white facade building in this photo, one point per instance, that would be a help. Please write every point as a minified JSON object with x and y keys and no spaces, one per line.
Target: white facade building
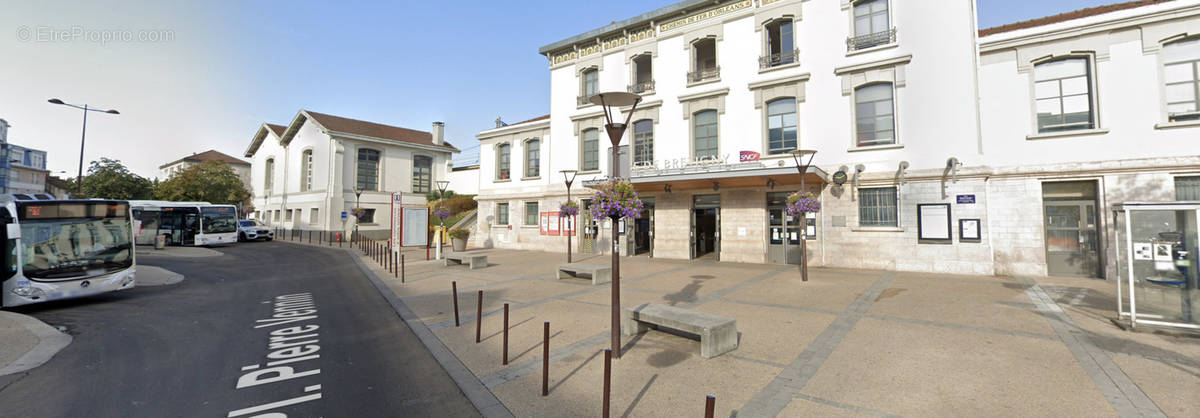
{"x":306,"y":174}
{"x":940,"y":147}
{"x":240,"y":167}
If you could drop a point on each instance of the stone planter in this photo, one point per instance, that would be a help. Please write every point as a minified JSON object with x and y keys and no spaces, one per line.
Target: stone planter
{"x":458,"y":244}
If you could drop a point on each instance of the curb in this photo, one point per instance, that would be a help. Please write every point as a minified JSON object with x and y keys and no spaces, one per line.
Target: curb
{"x":483,"y":399}
{"x":50,"y":342}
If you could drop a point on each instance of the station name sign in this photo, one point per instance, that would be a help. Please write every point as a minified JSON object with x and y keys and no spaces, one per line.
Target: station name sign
{"x":746,"y":159}
{"x":705,"y":15}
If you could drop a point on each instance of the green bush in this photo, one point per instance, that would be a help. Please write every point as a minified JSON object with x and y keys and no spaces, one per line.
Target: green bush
{"x":435,"y":195}
{"x":460,"y":204}
{"x":459,"y":233}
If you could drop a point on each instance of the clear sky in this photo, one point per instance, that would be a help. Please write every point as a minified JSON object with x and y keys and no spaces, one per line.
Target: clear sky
{"x":193,"y":76}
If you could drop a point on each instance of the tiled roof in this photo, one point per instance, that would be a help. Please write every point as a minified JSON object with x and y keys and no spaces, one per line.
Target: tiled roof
{"x":210,"y":155}
{"x":277,"y":129}
{"x":375,"y":130}
{"x":1078,"y":14}
{"x":543,"y":117}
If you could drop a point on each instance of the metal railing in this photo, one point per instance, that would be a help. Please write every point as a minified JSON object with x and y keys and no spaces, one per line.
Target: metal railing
{"x":582,"y":101}
{"x":775,"y":60}
{"x":855,"y":43}
{"x":704,"y":74}
{"x":642,"y":87}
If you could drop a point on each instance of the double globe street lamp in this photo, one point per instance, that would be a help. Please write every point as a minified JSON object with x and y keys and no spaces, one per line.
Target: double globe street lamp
{"x":569,"y":221}
{"x":83,"y":137}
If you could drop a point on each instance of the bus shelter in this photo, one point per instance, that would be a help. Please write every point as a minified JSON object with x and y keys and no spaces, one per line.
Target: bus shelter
{"x":1157,"y":253}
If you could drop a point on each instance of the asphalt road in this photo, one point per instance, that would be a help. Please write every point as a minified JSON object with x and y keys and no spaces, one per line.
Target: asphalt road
{"x":179,"y":350}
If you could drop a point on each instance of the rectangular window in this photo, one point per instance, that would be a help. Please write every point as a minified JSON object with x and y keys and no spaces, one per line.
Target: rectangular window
{"x":704,"y":62}
{"x":706,"y":133}
{"x":368,"y":169}
{"x":1063,"y":93}
{"x":313,"y":218}
{"x":269,"y":176}
{"x":306,"y":170}
{"x":643,"y":142}
{"x":781,"y":47}
{"x":781,"y":126}
{"x":533,"y":158}
{"x":288,"y":214}
{"x":531,"y":213}
{"x":878,"y":207}
{"x":875,"y":122}
{"x":502,"y":160}
{"x":643,"y":76}
{"x":589,"y":85}
{"x":368,"y":216}
{"x":422,"y":174}
{"x":871,"y":25}
{"x":502,"y":214}
{"x":1187,"y":188}
{"x":590,"y":148}
{"x":1181,"y":73}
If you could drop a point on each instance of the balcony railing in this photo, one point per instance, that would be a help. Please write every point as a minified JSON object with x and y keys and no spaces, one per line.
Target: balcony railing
{"x":704,"y":74}
{"x":583,"y":101}
{"x":855,"y":43}
{"x":775,"y":60}
{"x":639,"y":88}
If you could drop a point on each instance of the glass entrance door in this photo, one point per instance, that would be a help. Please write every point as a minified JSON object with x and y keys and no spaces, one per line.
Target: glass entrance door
{"x":706,"y":226}
{"x":589,"y":230}
{"x":783,"y":232}
{"x":1072,"y":237}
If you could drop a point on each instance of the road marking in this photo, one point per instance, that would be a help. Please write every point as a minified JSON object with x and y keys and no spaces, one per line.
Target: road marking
{"x":292,"y":344}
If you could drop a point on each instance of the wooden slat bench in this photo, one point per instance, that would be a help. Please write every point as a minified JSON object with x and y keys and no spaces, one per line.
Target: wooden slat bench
{"x":474,"y":261}
{"x":718,"y":334}
{"x":599,"y":274}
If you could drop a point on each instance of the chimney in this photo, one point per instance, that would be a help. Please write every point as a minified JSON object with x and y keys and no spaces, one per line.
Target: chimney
{"x":4,"y":131}
{"x":499,"y":123}
{"x":438,"y":132}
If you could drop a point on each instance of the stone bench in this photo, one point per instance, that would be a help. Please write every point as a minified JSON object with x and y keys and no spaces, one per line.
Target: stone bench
{"x":599,"y":274}
{"x":474,"y":261}
{"x":718,"y":334}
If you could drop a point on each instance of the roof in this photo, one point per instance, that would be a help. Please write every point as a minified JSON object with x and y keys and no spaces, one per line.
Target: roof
{"x":375,"y":130}
{"x":276,"y":129}
{"x":674,"y":9}
{"x":210,"y":155}
{"x":543,"y":117}
{"x":1063,"y":17}
{"x":261,"y":134}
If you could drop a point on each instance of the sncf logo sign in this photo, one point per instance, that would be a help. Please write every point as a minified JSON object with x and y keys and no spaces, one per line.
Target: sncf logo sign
{"x":748,"y":156}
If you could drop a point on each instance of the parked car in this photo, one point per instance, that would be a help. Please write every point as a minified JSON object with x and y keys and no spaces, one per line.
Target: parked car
{"x":251,"y":230}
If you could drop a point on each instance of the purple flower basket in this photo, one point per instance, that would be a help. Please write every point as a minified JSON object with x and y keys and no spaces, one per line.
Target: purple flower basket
{"x":802,"y":203}
{"x":616,"y":200}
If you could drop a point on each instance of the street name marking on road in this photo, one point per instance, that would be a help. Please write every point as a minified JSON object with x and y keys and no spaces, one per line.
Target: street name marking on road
{"x":287,"y":345}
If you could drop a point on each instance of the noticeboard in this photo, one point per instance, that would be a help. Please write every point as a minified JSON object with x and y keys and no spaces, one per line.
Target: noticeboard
{"x":933,"y":222}
{"x":414,"y":226}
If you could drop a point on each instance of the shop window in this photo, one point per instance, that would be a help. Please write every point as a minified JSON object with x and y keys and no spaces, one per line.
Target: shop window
{"x":589,"y":150}
{"x":533,"y":158}
{"x":875,"y":122}
{"x":878,"y":207}
{"x":1187,"y":188}
{"x":306,"y":170}
{"x":422,"y":174}
{"x":1063,"y":93}
{"x":531,"y":213}
{"x":781,"y":44}
{"x":503,"y":152}
{"x":1181,"y":73}
{"x":643,"y":142}
{"x":781,"y":126}
{"x":368,"y":170}
{"x":706,"y":133}
{"x":502,"y":214}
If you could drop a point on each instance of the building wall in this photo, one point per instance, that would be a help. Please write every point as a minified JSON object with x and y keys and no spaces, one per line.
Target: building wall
{"x":465,"y":181}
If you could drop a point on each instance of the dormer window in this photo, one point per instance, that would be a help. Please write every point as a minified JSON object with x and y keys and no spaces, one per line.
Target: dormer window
{"x":704,"y":61}
{"x":643,"y":76}
{"x":781,"y":44}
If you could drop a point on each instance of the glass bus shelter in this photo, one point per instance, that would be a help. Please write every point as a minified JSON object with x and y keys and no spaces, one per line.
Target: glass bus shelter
{"x":1157,"y":264}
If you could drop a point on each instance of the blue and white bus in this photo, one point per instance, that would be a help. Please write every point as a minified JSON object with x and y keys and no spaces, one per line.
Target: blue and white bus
{"x":58,"y":249}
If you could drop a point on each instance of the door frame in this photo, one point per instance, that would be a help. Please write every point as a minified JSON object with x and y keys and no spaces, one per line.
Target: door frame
{"x":1102,"y":222}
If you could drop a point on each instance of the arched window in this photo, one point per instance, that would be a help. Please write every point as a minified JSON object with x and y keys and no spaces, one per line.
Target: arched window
{"x":533,"y":158}
{"x":1181,"y":73}
{"x":1063,"y":93}
{"x":269,"y":176}
{"x":589,"y":150}
{"x":422,"y":174}
{"x":502,"y":161}
{"x":706,"y":134}
{"x":306,"y":170}
{"x":781,"y":126}
{"x":873,"y":112}
{"x":368,"y":169}
{"x":643,"y":142}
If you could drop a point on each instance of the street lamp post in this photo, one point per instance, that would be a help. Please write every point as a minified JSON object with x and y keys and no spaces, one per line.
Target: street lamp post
{"x":615,"y":132}
{"x":441,"y":185}
{"x":798,"y":157}
{"x":357,"y":193}
{"x":83,"y":136}
{"x":568,"y":178}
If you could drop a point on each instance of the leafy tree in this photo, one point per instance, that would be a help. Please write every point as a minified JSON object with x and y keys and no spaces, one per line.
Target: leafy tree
{"x":109,"y":179}
{"x":434,"y":195}
{"x":211,"y":181}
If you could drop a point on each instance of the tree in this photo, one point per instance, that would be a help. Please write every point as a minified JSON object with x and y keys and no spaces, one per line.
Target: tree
{"x":211,"y":181}
{"x":109,"y":179}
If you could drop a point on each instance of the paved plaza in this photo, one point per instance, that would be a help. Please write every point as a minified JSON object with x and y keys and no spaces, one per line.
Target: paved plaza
{"x":845,"y":343}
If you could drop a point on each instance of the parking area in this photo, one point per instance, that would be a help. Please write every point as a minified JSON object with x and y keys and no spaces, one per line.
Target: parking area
{"x":845,"y":343}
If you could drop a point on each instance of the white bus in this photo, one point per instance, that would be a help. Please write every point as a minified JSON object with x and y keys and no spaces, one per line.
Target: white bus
{"x":58,"y":249}
{"x":184,"y":223}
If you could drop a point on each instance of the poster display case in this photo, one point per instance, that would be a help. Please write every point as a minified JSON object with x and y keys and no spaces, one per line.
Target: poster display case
{"x":1157,"y":263}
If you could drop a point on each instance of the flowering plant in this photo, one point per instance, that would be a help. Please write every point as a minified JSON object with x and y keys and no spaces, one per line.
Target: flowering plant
{"x":799,"y":203}
{"x":441,"y":212}
{"x":616,"y":199}
{"x":568,"y":208}
{"x":358,"y":212}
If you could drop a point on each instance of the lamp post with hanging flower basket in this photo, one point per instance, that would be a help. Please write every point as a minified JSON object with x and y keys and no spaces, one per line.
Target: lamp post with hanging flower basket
{"x":567,"y":212}
{"x":801,"y":203}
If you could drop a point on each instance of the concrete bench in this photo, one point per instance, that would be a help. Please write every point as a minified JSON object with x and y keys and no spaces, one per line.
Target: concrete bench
{"x":599,"y":274}
{"x":474,"y":261}
{"x":718,"y":334}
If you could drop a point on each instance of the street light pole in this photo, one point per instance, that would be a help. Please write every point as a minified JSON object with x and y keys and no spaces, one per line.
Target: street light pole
{"x":441,"y":185}
{"x":798,"y":156}
{"x":357,"y":194}
{"x":615,"y":132}
{"x":569,"y":177}
{"x":82,"y":136}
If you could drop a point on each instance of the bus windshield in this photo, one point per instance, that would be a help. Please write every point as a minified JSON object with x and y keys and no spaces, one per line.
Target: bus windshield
{"x":61,"y":240}
{"x":219,"y":219}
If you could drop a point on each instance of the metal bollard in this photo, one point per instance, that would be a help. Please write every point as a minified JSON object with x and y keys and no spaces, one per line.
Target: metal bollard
{"x":396,"y":261}
{"x":607,"y":379}
{"x":478,"y":315}
{"x":454,"y":289}
{"x":546,"y":358}
{"x":710,"y":406}
{"x":401,"y":267}
{"x":505,"y":334}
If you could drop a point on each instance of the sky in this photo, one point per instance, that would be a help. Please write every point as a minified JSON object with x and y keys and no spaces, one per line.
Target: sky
{"x":187,"y":77}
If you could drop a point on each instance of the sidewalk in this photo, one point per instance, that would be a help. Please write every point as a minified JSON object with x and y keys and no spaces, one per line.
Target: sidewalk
{"x":27,"y":342}
{"x":847,"y":342}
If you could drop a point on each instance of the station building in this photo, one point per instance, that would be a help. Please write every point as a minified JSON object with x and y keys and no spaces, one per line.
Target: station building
{"x":941,"y":147}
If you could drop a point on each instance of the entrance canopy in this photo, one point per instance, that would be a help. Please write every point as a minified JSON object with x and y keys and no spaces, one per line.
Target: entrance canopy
{"x":705,"y":178}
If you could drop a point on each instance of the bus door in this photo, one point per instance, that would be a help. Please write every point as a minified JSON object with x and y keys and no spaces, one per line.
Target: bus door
{"x":191,"y":227}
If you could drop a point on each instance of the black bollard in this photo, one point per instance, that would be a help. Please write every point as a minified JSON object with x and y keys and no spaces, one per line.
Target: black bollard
{"x":546,"y":358}
{"x":454,"y":289}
